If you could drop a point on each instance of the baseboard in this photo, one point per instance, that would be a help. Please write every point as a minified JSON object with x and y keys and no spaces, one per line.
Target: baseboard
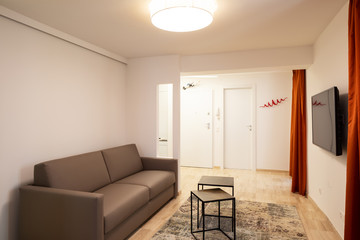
{"x":319,"y":209}
{"x":271,"y":170}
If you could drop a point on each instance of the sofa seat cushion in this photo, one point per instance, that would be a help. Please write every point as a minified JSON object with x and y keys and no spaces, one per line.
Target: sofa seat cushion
{"x":121,"y":201}
{"x":157,"y":181}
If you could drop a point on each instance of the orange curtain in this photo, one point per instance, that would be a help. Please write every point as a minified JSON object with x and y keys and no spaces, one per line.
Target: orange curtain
{"x":352,"y":208}
{"x":298,"y":169}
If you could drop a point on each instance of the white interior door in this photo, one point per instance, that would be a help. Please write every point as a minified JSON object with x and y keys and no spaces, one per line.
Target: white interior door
{"x":238,"y":128}
{"x":164,"y":140}
{"x":196,"y":128}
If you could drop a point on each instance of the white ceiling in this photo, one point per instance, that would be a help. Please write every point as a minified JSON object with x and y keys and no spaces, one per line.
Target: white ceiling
{"x":124,"y":27}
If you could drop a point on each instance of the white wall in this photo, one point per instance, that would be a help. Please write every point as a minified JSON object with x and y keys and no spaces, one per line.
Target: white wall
{"x":56,"y":100}
{"x":272,"y":128}
{"x":326,"y":172}
{"x":143,"y":76}
{"x":251,"y":60}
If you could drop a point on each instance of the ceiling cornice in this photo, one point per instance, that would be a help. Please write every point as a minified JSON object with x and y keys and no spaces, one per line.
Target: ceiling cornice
{"x":19,"y":18}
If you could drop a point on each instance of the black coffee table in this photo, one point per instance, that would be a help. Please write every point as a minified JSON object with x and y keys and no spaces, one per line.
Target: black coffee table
{"x":207,"y":196}
{"x":216,"y":181}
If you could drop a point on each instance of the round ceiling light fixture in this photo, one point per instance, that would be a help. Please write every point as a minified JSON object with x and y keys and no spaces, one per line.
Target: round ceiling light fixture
{"x":182,"y":15}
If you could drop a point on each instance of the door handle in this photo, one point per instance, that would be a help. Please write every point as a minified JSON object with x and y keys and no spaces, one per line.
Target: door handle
{"x":249,"y":127}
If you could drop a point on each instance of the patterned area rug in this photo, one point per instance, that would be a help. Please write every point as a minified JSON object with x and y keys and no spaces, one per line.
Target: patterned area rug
{"x":254,"y":221}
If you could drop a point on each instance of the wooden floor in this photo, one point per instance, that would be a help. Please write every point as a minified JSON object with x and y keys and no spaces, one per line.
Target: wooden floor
{"x":261,"y":186}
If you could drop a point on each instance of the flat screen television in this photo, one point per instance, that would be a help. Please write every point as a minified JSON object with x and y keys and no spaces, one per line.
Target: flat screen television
{"x":326,"y":121}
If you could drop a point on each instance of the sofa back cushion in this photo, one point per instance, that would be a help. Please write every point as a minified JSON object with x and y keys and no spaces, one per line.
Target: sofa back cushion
{"x":85,"y":172}
{"x":122,"y":161}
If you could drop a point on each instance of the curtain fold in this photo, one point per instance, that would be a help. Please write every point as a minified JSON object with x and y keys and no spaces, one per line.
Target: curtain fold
{"x":352,"y":208}
{"x":298,"y":164}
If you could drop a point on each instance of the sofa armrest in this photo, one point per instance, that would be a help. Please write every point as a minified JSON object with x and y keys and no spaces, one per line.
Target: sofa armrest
{"x":50,"y":213}
{"x":167,"y":164}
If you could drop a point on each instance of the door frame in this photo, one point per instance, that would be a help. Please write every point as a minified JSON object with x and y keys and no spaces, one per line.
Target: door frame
{"x":252,"y":87}
{"x":170,"y":138}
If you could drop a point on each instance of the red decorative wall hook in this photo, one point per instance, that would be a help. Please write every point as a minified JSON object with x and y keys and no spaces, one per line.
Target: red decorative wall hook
{"x":273,"y":102}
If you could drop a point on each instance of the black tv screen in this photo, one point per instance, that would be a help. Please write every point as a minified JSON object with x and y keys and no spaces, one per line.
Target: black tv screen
{"x":326,"y":121}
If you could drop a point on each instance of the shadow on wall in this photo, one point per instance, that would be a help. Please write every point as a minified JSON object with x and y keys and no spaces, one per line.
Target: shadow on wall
{"x":9,"y":216}
{"x":10,"y":211}
{"x":13,"y":214}
{"x":344,"y":98}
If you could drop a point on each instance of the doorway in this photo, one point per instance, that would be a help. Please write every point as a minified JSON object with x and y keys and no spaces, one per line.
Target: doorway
{"x":206,"y":140}
{"x":165,"y":121}
{"x":238,"y":128}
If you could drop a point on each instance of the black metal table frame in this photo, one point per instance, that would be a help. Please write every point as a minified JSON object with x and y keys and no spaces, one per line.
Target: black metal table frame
{"x":213,"y":185}
{"x":233,"y":217}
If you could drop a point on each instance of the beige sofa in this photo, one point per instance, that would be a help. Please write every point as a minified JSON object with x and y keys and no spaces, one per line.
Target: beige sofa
{"x":99,"y":195}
